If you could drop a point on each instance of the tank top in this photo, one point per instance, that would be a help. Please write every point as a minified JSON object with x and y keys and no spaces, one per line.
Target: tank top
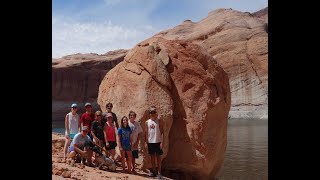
{"x":110,"y":132}
{"x":73,"y":123}
{"x":154,"y":135}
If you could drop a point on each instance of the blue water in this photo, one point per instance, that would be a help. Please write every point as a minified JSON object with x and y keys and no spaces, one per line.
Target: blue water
{"x":58,"y":127}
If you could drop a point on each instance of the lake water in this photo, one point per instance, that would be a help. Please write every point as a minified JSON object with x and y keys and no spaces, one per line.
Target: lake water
{"x":247,"y":149}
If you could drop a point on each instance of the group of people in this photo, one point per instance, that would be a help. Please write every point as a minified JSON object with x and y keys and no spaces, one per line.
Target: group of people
{"x":102,"y":130}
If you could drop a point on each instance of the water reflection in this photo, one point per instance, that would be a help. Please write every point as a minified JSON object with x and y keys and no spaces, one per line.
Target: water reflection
{"x":247,"y":151}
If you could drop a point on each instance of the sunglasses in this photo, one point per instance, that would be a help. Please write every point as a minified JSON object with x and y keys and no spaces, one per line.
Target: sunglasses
{"x":153,"y":112}
{"x":85,"y":131}
{"x":109,"y":106}
{"x":74,"y":107}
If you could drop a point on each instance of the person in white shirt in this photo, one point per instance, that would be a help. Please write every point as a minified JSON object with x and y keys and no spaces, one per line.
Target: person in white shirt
{"x":154,"y":139}
{"x":72,"y":127}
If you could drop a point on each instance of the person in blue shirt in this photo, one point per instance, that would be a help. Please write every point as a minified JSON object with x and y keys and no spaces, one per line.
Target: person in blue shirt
{"x":124,"y":142}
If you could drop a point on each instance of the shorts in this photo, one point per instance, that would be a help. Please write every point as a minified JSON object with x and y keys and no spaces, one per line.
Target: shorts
{"x":72,"y":136}
{"x":154,"y":148}
{"x":112,"y":144}
{"x":71,"y":148}
{"x":134,"y":154}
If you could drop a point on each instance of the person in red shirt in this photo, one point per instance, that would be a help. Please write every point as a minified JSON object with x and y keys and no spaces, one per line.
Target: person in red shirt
{"x":87,"y":118}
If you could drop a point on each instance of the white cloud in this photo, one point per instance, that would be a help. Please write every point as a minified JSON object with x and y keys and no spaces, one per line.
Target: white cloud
{"x":70,"y":37}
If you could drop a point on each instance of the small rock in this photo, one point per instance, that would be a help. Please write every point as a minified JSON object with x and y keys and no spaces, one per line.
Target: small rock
{"x":66,"y":174}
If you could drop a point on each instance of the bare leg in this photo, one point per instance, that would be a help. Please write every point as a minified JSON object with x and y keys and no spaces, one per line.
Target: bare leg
{"x":113,"y":153}
{"x":129,"y":160}
{"x":66,"y":145}
{"x":159,"y":163}
{"x":133,"y":163}
{"x":122,"y":159}
{"x":153,"y":163}
{"x":72,"y":154}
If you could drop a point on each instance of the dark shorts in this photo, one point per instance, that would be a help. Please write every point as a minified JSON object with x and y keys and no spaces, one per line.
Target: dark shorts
{"x":134,"y":154}
{"x":112,"y":144}
{"x":154,"y":148}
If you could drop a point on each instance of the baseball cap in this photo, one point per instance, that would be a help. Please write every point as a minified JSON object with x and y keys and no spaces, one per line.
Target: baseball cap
{"x":87,"y":104}
{"x":85,"y":128}
{"x":74,"y":105}
{"x":152,"y":109}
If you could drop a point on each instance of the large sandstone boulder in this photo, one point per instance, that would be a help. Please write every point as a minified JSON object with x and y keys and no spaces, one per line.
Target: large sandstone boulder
{"x":76,"y":78}
{"x":238,"y":41}
{"x":192,"y":94}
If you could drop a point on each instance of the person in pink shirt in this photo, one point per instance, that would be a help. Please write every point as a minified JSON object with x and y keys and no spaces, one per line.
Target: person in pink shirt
{"x":110,"y":135}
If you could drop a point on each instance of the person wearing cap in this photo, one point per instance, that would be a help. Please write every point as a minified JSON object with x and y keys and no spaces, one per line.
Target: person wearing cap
{"x":154,"y":140}
{"x":136,"y":135}
{"x":72,"y":127}
{"x":109,"y":107}
{"x":110,"y":136}
{"x":97,"y":129}
{"x":87,"y":118}
{"x":80,"y":145}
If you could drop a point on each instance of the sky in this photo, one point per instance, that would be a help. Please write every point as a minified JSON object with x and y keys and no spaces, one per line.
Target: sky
{"x":99,"y":26}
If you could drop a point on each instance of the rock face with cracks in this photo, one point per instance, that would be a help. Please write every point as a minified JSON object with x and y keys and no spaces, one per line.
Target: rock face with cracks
{"x":192,"y":95}
{"x":238,"y":41}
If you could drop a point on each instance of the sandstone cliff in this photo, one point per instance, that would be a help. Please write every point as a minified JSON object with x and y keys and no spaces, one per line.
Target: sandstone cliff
{"x":76,"y":78}
{"x":239,"y":43}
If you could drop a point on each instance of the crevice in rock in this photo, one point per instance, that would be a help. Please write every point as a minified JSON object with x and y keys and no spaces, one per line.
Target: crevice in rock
{"x":154,"y":78}
{"x":247,"y":104}
{"x":251,"y":61}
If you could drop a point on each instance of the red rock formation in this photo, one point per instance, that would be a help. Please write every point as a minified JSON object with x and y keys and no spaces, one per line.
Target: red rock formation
{"x":239,"y":43}
{"x":76,"y":78}
{"x":191,"y":92}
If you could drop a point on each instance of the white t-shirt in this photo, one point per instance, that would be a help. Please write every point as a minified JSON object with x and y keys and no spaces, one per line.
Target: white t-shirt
{"x":154,"y":134}
{"x":73,"y":123}
{"x":136,"y":129}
